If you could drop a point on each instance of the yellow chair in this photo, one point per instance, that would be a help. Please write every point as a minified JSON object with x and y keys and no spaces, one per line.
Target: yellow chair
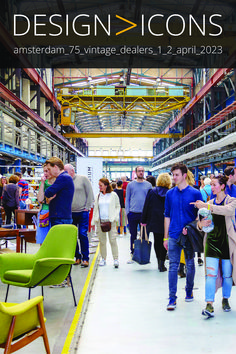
{"x":22,"y":323}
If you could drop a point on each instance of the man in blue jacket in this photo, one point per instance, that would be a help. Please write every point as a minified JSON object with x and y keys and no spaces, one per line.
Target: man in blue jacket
{"x":61,"y":193}
{"x":178,"y":213}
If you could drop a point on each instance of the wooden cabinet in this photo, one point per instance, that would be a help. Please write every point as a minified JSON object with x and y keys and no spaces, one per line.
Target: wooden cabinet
{"x":24,"y":217}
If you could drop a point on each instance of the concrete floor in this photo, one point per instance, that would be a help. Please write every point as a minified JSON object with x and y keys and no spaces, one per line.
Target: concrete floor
{"x":127,"y":313}
{"x":59,"y":308}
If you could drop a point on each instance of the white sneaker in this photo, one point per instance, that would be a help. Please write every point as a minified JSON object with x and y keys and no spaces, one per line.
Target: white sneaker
{"x":116,"y":263}
{"x":64,"y":284}
{"x":102,"y":262}
{"x":130,"y":261}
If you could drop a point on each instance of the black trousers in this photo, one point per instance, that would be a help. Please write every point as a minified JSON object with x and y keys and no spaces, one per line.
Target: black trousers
{"x":158,"y":246}
{"x":9,"y":211}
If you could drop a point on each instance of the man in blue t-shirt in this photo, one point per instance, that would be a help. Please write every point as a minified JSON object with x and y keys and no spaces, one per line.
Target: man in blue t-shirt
{"x":60,"y":193}
{"x":178,"y":213}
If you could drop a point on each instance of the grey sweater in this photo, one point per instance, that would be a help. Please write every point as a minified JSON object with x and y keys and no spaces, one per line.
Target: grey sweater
{"x":83,"y":195}
{"x":135,"y":196}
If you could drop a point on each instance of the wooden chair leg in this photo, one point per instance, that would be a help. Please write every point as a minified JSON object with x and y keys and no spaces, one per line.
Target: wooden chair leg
{"x":42,"y":324}
{"x":21,"y":245}
{"x":10,"y":336}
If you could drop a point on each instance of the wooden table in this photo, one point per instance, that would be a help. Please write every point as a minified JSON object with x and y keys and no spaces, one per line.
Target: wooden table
{"x":24,"y":217}
{"x":11,"y":233}
{"x":27,"y":235}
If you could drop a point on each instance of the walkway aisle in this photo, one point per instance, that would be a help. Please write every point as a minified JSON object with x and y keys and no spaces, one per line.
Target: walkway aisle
{"x":127,"y":313}
{"x":59,"y":308}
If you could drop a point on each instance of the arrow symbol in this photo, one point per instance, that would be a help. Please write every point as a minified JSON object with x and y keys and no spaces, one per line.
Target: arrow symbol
{"x":127,"y":29}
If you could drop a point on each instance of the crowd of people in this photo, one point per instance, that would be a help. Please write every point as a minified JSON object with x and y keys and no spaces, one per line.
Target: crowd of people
{"x":165,"y":207}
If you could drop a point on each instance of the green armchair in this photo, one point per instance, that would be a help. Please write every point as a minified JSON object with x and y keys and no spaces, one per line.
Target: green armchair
{"x":22,"y":324}
{"x":49,"y":266}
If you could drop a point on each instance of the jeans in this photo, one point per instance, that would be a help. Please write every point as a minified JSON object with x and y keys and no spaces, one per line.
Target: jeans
{"x":212,"y":266}
{"x":81,"y":220}
{"x":58,"y":221}
{"x":134,"y":220}
{"x":174,"y":251}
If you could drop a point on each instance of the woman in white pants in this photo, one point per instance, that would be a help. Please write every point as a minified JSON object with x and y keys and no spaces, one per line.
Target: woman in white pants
{"x":106,"y":208}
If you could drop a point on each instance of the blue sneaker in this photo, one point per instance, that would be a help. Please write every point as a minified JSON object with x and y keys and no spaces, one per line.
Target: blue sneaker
{"x":208,"y":311}
{"x":189,"y":296}
{"x":172,"y":305}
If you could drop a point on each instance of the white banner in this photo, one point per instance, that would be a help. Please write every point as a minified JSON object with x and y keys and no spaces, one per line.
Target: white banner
{"x":90,"y":167}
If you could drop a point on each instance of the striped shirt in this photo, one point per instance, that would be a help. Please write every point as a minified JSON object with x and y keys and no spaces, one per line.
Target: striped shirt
{"x":25,"y":190}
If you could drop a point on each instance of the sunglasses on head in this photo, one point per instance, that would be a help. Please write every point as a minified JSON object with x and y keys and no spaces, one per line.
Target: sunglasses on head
{"x":231,"y":172}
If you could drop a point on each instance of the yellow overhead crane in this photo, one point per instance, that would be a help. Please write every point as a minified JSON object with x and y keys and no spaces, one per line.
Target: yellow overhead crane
{"x":107,"y":100}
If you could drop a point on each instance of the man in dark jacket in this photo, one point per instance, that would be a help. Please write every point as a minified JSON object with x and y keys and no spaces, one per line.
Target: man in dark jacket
{"x":61,"y":193}
{"x":153,"y":216}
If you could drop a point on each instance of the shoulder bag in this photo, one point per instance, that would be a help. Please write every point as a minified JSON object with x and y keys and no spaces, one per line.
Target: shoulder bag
{"x":105,"y":225}
{"x":208,"y":196}
{"x":44,"y":220}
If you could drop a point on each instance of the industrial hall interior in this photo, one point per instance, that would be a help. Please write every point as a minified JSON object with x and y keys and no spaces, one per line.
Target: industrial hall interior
{"x":92,"y":156}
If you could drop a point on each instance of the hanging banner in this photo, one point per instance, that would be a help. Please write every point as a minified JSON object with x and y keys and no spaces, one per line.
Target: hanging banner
{"x":90,"y":167}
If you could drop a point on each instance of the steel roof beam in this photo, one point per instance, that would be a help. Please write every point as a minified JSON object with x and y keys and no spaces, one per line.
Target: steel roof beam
{"x":9,"y":43}
{"x":215,"y":79}
{"x":115,"y":134}
{"x":35,"y":77}
{"x":18,"y":104}
{"x":210,"y":122}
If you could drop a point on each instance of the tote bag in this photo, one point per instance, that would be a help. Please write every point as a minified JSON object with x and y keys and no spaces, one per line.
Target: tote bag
{"x":142,"y":248}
